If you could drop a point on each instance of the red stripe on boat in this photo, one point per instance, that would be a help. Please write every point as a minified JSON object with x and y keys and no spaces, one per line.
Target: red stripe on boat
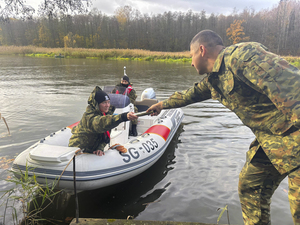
{"x":161,"y":130}
{"x":73,"y":125}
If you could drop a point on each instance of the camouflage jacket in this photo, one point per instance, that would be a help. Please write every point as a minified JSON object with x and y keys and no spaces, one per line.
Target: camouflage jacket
{"x":263,"y":90}
{"x":132,"y":94}
{"x":89,"y":133}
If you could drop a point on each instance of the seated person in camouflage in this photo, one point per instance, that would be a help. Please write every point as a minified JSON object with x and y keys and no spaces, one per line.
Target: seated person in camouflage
{"x":125,"y":88}
{"x":92,"y":132}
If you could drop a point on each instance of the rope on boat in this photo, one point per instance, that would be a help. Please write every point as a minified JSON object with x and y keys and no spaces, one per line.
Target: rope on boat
{"x":77,"y":152}
{"x":75,"y":190}
{"x":118,"y":147}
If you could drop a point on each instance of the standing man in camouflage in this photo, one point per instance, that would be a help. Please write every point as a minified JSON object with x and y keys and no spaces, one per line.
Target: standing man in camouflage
{"x":263,"y":90}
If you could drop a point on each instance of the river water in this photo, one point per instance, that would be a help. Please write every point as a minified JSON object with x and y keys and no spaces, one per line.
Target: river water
{"x":196,"y":176}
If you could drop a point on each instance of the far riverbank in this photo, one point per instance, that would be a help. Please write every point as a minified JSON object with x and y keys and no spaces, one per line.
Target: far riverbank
{"x":110,"y":54}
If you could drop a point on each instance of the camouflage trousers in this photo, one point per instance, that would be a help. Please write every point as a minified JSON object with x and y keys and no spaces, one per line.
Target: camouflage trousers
{"x":257,"y":182}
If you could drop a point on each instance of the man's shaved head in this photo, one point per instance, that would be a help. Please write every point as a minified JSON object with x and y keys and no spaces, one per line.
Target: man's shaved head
{"x":208,"y":38}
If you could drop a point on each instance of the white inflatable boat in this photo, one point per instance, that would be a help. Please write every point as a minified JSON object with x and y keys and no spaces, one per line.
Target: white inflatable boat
{"x":50,"y":159}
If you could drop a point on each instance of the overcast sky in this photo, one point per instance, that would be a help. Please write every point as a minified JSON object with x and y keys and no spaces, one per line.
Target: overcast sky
{"x":160,"y":6}
{"x":225,"y":7}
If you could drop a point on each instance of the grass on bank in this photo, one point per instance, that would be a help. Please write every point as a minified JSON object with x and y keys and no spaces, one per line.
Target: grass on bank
{"x":27,"y":194}
{"x":112,"y":54}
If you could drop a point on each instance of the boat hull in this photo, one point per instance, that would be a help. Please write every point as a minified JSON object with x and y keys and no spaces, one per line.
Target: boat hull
{"x":51,"y":161}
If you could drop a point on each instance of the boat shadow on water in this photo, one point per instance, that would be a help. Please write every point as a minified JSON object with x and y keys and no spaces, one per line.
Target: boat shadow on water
{"x":119,"y":201}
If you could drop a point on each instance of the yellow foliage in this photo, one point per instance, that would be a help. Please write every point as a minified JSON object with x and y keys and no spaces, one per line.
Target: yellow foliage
{"x":79,"y":41}
{"x":123,"y":14}
{"x":236,"y":32}
{"x":44,"y":34}
{"x":69,"y":40}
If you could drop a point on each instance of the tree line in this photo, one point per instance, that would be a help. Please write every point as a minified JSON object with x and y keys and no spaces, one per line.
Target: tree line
{"x":277,"y":28}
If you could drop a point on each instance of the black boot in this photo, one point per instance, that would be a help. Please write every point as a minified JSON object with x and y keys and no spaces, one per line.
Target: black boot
{"x":133,"y":130}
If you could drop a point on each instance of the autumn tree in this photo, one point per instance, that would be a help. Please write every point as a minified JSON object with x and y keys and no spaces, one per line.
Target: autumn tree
{"x":44,"y":35}
{"x":69,"y":40}
{"x":236,"y":32}
{"x":123,"y":15}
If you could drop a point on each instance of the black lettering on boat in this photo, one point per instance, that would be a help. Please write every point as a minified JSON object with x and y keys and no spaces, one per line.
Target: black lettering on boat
{"x":154,"y":142}
{"x":146,"y":147}
{"x":136,"y":153}
{"x":127,"y":156}
{"x":151,"y":145}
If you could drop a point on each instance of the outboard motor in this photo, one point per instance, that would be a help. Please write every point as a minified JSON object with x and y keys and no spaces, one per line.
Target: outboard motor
{"x":148,"y":93}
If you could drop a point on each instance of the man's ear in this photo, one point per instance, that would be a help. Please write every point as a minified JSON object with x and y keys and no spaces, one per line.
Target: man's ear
{"x":202,"y":50}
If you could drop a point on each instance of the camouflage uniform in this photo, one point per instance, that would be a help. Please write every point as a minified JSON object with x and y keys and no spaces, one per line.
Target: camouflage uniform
{"x":132,"y":96}
{"x":263,"y":90}
{"x":89,"y":133}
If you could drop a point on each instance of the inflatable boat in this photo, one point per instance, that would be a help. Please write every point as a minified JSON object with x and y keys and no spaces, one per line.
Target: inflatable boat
{"x":51,"y":160}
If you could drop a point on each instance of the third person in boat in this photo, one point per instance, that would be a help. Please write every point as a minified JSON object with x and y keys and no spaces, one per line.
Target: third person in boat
{"x":125,"y":88}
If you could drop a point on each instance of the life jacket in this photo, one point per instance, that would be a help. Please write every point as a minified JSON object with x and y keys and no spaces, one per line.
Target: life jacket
{"x":127,"y":90}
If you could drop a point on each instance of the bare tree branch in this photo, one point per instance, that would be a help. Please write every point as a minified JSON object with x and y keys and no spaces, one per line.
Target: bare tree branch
{"x":19,"y":10}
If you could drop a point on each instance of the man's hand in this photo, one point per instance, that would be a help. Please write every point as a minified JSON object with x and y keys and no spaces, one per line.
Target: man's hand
{"x":131,"y":116}
{"x":98,"y":152}
{"x":156,"y":108}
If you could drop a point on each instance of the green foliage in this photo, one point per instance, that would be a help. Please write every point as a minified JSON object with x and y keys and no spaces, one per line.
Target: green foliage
{"x":149,"y":58}
{"x":295,"y":61}
{"x":27,"y":192}
{"x":51,"y":55}
{"x":297,"y":64}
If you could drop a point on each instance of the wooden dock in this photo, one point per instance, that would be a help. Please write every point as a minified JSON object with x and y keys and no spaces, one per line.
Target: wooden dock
{"x":92,"y":221}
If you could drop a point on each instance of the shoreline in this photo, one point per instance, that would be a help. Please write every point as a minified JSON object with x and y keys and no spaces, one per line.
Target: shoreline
{"x":110,"y":54}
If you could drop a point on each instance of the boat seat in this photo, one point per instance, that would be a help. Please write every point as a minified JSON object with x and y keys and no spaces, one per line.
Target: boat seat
{"x":145,"y":104}
{"x":119,"y":101}
{"x":52,"y":153}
